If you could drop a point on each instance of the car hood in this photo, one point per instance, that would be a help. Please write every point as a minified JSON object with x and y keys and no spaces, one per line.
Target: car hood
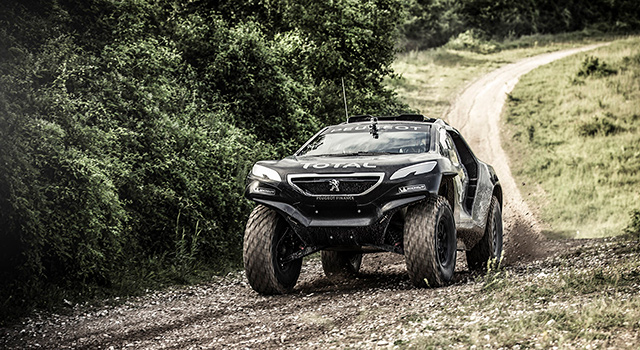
{"x":350,"y":164}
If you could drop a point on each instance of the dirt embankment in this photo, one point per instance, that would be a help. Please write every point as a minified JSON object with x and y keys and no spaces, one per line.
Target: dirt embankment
{"x":370,"y":311}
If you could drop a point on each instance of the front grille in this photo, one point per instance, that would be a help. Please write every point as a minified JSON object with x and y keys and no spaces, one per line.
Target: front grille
{"x":335,"y":184}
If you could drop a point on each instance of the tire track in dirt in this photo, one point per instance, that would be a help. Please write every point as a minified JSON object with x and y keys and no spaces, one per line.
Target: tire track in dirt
{"x":476,"y":114}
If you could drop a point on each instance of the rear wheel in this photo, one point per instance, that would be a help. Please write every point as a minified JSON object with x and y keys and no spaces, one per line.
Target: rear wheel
{"x":430,"y":242}
{"x":268,"y":239}
{"x":336,"y":264}
{"x":490,"y":246}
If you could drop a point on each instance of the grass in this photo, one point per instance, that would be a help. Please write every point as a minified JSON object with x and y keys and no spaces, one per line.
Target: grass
{"x":572,"y":130}
{"x":566,"y":302}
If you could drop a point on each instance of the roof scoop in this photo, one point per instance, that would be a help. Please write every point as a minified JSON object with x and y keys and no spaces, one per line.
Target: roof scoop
{"x":373,"y":127}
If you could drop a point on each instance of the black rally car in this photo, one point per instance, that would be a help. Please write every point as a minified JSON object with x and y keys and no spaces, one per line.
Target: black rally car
{"x":402,"y":184}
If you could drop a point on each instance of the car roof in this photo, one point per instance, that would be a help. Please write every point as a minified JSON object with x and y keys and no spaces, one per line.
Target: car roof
{"x":401,"y":117}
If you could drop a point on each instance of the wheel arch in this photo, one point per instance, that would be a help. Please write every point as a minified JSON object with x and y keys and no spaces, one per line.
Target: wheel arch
{"x":447,"y":191}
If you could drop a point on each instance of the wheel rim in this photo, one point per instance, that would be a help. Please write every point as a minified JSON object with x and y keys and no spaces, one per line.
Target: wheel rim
{"x":495,"y":238}
{"x":284,"y":248}
{"x":497,"y":242}
{"x":354,"y":261}
{"x":443,"y":244}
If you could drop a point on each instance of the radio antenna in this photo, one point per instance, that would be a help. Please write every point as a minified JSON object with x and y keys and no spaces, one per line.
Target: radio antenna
{"x":344,"y":95}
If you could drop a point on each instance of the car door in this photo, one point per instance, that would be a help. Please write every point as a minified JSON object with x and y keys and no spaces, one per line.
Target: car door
{"x":448,"y":149}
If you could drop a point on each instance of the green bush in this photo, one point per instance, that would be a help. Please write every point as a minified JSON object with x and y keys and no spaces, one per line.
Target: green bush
{"x":472,"y":40}
{"x":634,"y":224}
{"x":592,"y":66}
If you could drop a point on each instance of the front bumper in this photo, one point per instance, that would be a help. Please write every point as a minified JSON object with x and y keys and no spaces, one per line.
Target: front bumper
{"x":344,"y":221}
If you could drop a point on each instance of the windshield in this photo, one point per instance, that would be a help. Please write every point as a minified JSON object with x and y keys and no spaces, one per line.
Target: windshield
{"x":350,"y":140}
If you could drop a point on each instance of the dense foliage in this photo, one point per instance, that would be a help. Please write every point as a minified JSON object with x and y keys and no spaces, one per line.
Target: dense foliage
{"x":431,"y":23}
{"x":127,"y":127}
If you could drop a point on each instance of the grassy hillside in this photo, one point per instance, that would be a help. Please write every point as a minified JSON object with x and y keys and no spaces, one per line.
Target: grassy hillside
{"x":580,"y":300}
{"x":429,"y":80}
{"x":572,"y":132}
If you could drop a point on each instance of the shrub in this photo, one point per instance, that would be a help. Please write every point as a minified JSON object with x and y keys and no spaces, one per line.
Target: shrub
{"x":603,"y":125}
{"x":634,"y":224}
{"x":472,"y":40}
{"x":592,"y":66}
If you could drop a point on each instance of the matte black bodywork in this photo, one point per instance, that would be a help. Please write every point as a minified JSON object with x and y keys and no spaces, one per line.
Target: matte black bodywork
{"x":357,"y":202}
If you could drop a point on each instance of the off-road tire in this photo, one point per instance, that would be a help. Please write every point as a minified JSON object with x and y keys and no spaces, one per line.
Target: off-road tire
{"x":265,"y":230}
{"x":430,"y":242}
{"x":340,"y":264}
{"x":490,"y":246}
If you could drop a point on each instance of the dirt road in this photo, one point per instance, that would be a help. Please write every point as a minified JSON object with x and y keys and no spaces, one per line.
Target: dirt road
{"x":374,"y":310}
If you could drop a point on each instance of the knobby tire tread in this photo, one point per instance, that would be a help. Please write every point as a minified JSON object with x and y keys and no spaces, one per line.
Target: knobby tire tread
{"x":257,"y":252}
{"x":479,"y":255}
{"x":420,"y":242}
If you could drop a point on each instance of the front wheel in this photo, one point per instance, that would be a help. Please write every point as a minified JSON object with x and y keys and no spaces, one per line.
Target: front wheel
{"x":490,"y":246}
{"x":339,"y":264}
{"x":430,"y":242}
{"x":268,"y":239}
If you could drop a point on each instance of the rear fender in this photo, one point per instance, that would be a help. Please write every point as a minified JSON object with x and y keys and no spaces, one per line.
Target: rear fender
{"x":487,"y":182}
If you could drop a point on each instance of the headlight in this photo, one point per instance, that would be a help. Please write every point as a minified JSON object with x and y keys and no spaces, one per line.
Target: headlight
{"x":416,"y":169}
{"x":266,"y":173}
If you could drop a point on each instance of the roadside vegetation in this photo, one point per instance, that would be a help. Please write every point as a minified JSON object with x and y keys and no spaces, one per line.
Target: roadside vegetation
{"x":573,"y":135}
{"x":434,"y":23}
{"x":584,"y":299}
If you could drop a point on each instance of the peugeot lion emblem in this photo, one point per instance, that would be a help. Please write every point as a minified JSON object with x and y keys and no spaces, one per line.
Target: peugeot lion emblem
{"x":334,"y":185}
